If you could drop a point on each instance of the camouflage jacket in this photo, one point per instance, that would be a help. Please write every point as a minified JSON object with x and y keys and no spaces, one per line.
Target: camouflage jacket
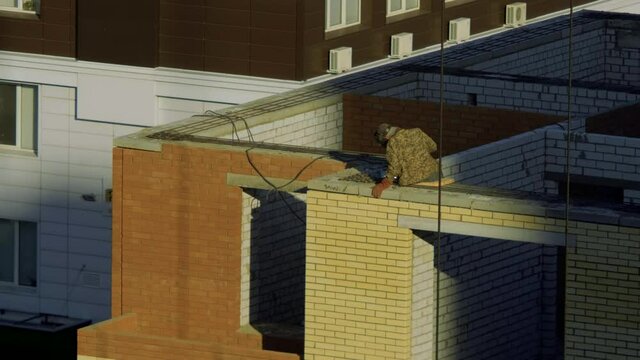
{"x":409,"y":156}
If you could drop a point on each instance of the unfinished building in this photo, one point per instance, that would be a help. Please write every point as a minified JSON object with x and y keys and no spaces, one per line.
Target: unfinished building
{"x":251,"y":233}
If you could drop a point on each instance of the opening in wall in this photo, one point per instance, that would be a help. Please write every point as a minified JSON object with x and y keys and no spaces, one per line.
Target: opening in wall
{"x":273,"y":267}
{"x":589,"y":192}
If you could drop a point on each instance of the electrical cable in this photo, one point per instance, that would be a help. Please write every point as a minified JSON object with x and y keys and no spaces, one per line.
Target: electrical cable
{"x":226,"y":119}
{"x":567,"y":166}
{"x":440,"y":154}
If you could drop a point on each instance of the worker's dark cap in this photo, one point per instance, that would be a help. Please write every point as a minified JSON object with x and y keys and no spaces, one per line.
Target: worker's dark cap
{"x":381,"y":133}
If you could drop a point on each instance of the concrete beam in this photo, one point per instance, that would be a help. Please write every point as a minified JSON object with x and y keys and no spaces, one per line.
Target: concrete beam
{"x":257,"y":182}
{"x":488,"y":231}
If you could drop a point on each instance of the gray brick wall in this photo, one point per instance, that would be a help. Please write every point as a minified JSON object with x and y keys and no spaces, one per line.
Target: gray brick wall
{"x":603,"y":294}
{"x":491,"y":300}
{"x":552,"y":59}
{"x":604,"y":66}
{"x":598,"y":56}
{"x":518,"y":94}
{"x":516,"y":163}
{"x":498,"y":298}
{"x":622,"y":61}
{"x":320,"y":128}
{"x":603,"y":282}
{"x":597,"y":156}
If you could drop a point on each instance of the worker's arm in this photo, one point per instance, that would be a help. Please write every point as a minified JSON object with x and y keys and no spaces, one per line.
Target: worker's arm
{"x":394,"y":169}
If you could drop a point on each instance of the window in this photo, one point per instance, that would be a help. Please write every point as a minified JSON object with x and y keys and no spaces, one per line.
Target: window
{"x":18,"y":253}
{"x":395,"y":7}
{"x":342,"y":13}
{"x":20,"y":5}
{"x":17,"y":116}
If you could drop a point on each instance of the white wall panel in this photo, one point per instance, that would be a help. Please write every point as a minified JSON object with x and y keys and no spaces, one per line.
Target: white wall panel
{"x":18,"y":193}
{"x":53,"y":274}
{"x":56,"y":106}
{"x":90,"y":263}
{"x":54,"y":182}
{"x":90,"y":157}
{"x":52,"y":290}
{"x":55,"y":121}
{"x":94,"y":233}
{"x":100,"y":142}
{"x":116,"y":99}
{"x":55,"y":137}
{"x":53,"y":258}
{"x":89,"y":246}
{"x":53,"y":242}
{"x":53,"y":214}
{"x":53,"y":228}
{"x":53,"y":153}
{"x":19,"y":210}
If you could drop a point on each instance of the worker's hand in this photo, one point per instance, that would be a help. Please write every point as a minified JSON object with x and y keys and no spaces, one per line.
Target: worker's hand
{"x":380,"y":187}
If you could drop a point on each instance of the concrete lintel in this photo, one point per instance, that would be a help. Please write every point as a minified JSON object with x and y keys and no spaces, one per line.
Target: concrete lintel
{"x":257,"y":182}
{"x":138,"y":142}
{"x":489,"y":231}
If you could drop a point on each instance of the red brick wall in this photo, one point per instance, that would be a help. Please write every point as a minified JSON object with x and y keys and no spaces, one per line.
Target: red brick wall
{"x":464,"y":126}
{"x":619,"y":122}
{"x":176,"y":239}
{"x":118,"y":339}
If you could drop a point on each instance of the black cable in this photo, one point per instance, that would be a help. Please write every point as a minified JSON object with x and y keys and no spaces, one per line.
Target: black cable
{"x":231,"y":120}
{"x":568,"y":171}
{"x":440,"y":140}
{"x":277,"y":188}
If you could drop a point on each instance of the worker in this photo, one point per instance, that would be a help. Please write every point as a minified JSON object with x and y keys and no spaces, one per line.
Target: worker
{"x":408,"y":153}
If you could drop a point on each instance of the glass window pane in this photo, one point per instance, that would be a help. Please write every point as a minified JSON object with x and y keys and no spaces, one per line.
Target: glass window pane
{"x":8,"y":3}
{"x":413,"y":4}
{"x":353,"y":11}
{"x":29,"y":5}
{"x":7,"y":240}
{"x":395,"y":5}
{"x":335,"y":12}
{"x":7,"y":114}
{"x":27,"y":118}
{"x":28,"y":255}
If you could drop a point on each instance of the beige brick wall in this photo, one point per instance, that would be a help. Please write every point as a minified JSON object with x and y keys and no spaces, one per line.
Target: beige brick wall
{"x":358,"y":279}
{"x":422,"y":296}
{"x":361,"y":297}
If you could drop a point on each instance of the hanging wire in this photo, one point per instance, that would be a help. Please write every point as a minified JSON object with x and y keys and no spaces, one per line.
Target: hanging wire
{"x":569,"y":115}
{"x":440,"y":154}
{"x":231,"y":120}
{"x":567,"y":170}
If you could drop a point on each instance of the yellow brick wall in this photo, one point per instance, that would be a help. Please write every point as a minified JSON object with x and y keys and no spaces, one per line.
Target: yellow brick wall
{"x":358,"y":279}
{"x":359,"y":271}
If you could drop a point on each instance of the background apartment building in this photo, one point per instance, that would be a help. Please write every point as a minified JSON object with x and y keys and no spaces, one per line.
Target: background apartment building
{"x":76,"y":75}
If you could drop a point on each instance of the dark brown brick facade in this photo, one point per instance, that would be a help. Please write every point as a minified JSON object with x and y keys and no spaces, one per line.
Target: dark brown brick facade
{"x":51,"y":32}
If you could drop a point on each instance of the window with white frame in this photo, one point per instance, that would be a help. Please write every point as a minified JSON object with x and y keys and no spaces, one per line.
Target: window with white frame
{"x":396,"y":7}
{"x":20,"y":5}
{"x":18,"y":253}
{"x":342,"y":13}
{"x":18,"y":116}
